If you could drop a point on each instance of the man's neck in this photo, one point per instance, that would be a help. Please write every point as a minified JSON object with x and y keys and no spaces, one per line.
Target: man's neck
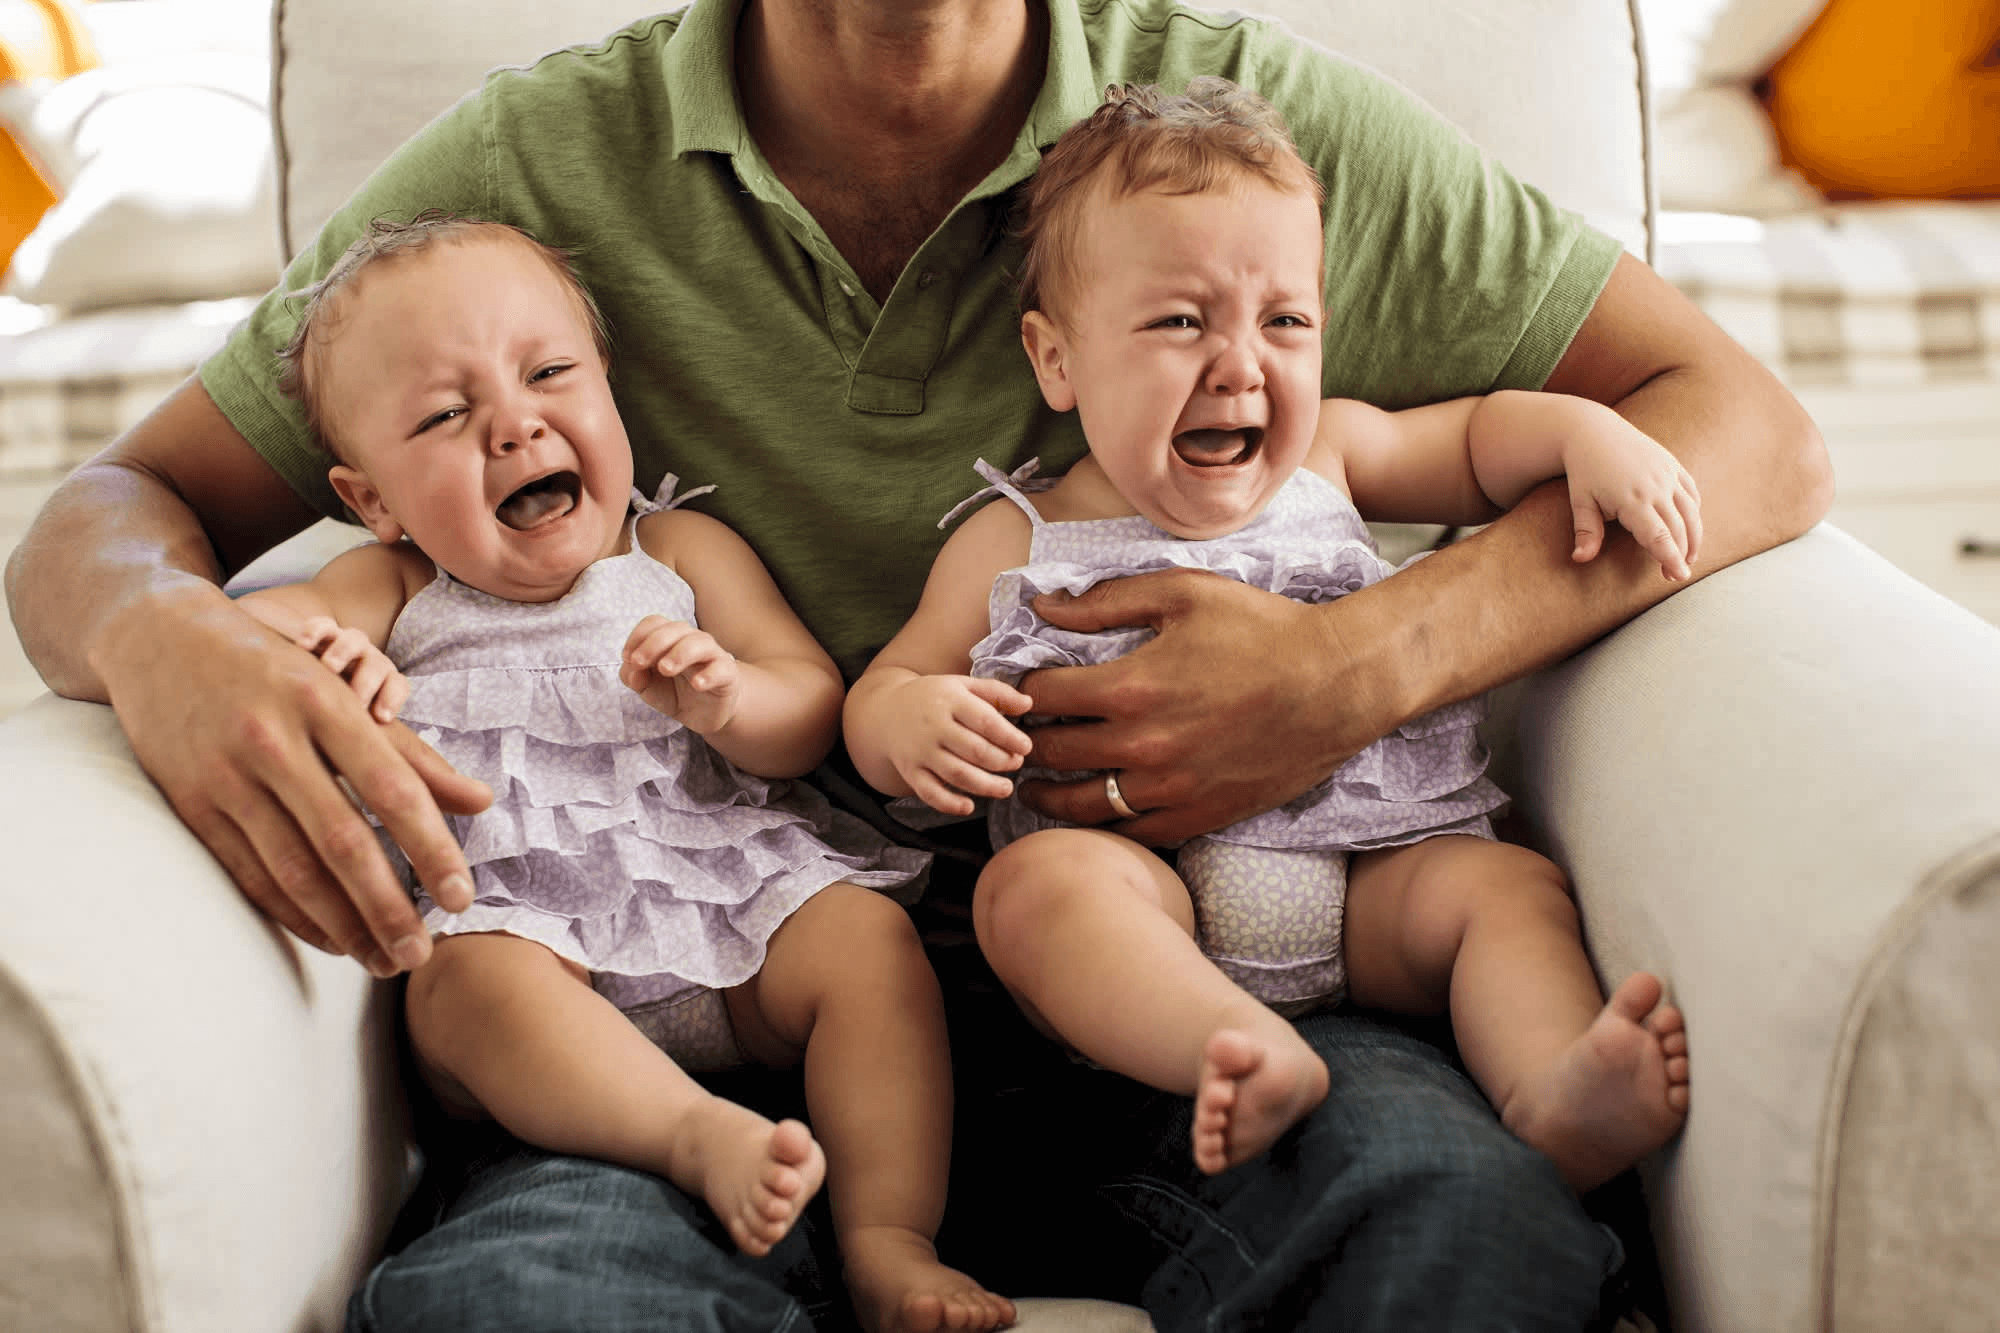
{"x":879,"y":115}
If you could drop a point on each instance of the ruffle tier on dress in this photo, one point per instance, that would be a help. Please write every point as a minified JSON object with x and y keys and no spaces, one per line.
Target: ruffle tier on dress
{"x":617,"y":838}
{"x":1310,"y":545}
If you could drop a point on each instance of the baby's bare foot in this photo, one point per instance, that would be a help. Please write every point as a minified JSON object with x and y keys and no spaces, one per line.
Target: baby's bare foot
{"x":1251,"y":1089}
{"x":756,"y":1175}
{"x":899,"y":1286}
{"x":1618,"y":1092}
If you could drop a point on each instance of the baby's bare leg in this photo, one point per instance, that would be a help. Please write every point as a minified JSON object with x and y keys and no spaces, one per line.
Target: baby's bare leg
{"x":846,"y":983}
{"x":505,"y":1028}
{"x":1488,"y":930}
{"x":1094,"y":936}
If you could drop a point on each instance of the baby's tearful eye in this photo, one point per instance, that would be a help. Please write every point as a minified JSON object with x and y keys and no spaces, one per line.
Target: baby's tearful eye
{"x":439,"y":418}
{"x":547,"y":372}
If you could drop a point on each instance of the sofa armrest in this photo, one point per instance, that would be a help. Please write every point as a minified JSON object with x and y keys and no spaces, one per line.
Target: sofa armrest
{"x":200,"y":1122}
{"x":1780,"y":789}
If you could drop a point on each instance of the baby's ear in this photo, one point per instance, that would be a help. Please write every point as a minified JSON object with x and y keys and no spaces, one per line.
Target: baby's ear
{"x":359,"y":494}
{"x":1048,"y":353}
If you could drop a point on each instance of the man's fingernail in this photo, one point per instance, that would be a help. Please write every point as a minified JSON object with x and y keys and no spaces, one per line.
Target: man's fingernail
{"x":456,"y":887}
{"x":378,"y":964}
{"x":411,"y":951}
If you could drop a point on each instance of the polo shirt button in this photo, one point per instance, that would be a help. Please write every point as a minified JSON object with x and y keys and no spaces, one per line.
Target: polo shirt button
{"x":845,"y":287}
{"x":926,"y":278}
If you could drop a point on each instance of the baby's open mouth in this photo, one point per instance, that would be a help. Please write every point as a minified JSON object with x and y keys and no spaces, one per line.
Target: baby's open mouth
{"x":542,"y":500}
{"x":1218,"y":448}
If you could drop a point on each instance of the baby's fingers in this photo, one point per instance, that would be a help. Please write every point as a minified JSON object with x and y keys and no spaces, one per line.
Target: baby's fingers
{"x":988,"y":742}
{"x":379,"y":685}
{"x":1687,"y":500}
{"x":651,"y":638}
{"x":934,"y":792}
{"x":689,"y":653}
{"x":316,"y":632}
{"x":349,"y":654}
{"x":1660,"y":531}
{"x":1002,"y":696}
{"x":1589,"y":526}
{"x":954,"y":782}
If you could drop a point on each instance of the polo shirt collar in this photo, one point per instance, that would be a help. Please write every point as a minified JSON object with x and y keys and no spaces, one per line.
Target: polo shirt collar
{"x":700,"y":69}
{"x":1069,"y":89}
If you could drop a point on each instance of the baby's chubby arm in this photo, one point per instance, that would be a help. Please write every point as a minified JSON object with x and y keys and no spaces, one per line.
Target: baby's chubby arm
{"x":343,"y":615}
{"x":752,"y":681}
{"x":916,"y":723}
{"x":1471,"y":453}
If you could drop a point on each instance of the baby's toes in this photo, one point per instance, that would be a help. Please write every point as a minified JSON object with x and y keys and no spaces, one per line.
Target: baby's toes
{"x":993,"y":1311}
{"x":779,"y":1181}
{"x":749,"y":1235}
{"x":769,"y":1229}
{"x":927,"y":1309}
{"x":1665,"y":1022}
{"x":791,"y":1142}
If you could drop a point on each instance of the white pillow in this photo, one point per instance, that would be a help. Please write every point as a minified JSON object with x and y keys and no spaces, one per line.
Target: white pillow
{"x":164,"y":179}
{"x":1713,"y":147}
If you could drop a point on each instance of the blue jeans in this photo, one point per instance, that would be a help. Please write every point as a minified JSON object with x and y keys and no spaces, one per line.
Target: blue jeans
{"x":1401,"y":1203}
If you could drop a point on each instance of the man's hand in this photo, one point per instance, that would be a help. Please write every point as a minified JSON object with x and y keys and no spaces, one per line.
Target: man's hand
{"x":244,"y":734}
{"x":1240,"y":703}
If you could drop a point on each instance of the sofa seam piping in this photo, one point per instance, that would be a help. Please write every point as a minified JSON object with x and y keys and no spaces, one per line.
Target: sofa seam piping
{"x":97,"y":1133}
{"x":1648,"y":183}
{"x":281,"y":152}
{"x":1970,"y":866}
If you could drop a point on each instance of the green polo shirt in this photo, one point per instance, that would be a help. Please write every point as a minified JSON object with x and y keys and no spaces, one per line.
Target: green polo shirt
{"x":838,"y":430}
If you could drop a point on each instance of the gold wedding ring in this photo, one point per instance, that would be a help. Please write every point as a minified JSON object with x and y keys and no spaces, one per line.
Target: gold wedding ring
{"x":1117,"y":798}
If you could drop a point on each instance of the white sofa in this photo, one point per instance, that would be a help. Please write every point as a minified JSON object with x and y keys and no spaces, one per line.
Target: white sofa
{"x":1780,"y":789}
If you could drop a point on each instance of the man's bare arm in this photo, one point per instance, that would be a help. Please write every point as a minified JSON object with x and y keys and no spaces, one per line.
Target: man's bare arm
{"x":1283,"y":693}
{"x":115,"y":594}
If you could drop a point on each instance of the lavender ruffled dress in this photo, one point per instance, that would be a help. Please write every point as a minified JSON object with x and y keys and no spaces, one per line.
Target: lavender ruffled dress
{"x":617,"y":837}
{"x":1268,"y":891}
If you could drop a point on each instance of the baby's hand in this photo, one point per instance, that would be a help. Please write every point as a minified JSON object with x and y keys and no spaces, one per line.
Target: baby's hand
{"x":953,"y":739}
{"x":1623,"y":474}
{"x":349,"y":654}
{"x":683,"y":672}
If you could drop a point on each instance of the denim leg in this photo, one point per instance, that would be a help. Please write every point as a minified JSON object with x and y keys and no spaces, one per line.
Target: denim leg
{"x":529,"y":1241}
{"x":1401,"y":1203}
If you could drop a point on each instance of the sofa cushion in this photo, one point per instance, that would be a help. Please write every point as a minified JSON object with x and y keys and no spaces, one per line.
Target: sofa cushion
{"x":1859,"y":293}
{"x":1891,"y":99}
{"x":38,"y":39}
{"x":1713,"y":145}
{"x":160,"y":159}
{"x":164,"y":177}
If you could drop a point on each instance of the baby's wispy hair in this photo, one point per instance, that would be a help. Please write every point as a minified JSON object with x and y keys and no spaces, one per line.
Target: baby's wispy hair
{"x":386,"y":239}
{"x":1142,"y":138}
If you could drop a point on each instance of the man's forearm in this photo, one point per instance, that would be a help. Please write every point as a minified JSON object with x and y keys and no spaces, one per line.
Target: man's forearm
{"x":109,"y":538}
{"x":1509,"y":600}
{"x":154,"y":522}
